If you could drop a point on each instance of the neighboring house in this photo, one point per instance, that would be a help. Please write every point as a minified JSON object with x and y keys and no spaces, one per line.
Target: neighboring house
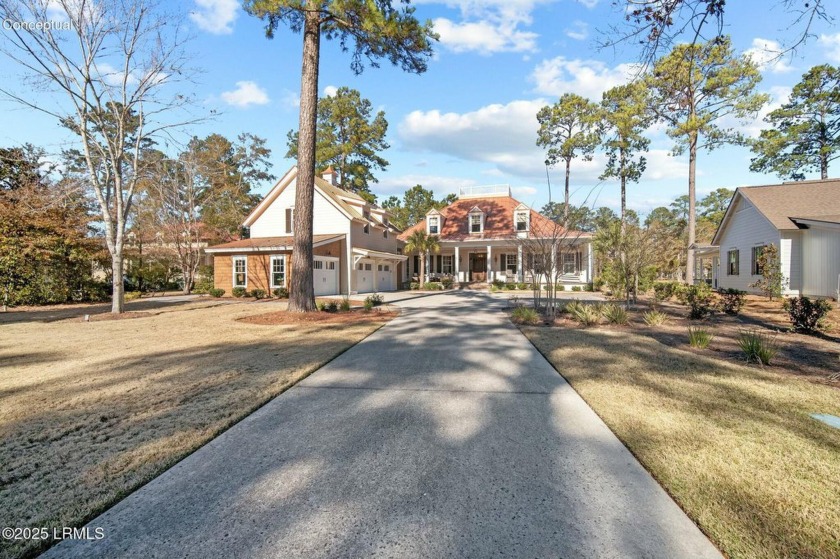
{"x":487,"y":235}
{"x":356,"y":248}
{"x":801,"y":218}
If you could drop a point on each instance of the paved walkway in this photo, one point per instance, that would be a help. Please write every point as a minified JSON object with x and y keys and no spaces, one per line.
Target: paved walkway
{"x":444,"y":434}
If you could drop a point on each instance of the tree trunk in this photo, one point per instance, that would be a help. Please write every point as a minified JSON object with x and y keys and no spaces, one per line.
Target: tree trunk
{"x":422,"y":269}
{"x":566,"y":199}
{"x":118,"y":292}
{"x":692,"y":217}
{"x":302,"y":293}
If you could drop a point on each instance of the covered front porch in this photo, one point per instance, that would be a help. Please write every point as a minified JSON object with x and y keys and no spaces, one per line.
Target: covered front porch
{"x":471,"y":262}
{"x":706,"y":264}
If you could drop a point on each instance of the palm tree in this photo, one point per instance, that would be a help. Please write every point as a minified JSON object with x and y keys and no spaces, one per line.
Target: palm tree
{"x":422,"y":243}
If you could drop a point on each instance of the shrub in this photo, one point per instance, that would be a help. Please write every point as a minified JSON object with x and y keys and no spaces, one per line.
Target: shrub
{"x":510,"y":286}
{"x":805,"y":314}
{"x":281,"y":293}
{"x":655,"y":318}
{"x":587,"y":315}
{"x":321,"y":306}
{"x":561,"y":287}
{"x":258,"y":293}
{"x":368,"y":305}
{"x":758,"y":347}
{"x":575,"y":288}
{"x":433,"y":286}
{"x":414,"y":286}
{"x":447,"y":282}
{"x":498,"y":284}
{"x":663,"y":290}
{"x":375,"y":299}
{"x":615,"y":314}
{"x":216,"y":292}
{"x":590,"y":286}
{"x":773,"y":281}
{"x":239,"y":292}
{"x":571,"y":307}
{"x":731,"y":300}
{"x":204,"y":279}
{"x":132,"y":295}
{"x":699,"y":337}
{"x":345,"y":304}
{"x":597,"y":284}
{"x":681,"y":293}
{"x":699,"y":298}
{"x":331,"y":306}
{"x":521,"y":286}
{"x":525,"y":315}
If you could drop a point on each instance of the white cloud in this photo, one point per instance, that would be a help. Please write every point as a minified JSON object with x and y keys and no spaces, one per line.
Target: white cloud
{"x":484,"y":37}
{"x":290,"y":99}
{"x":216,"y":16}
{"x":589,"y":3}
{"x":752,"y":128}
{"x":113,"y":76}
{"x":504,"y":136}
{"x":579,"y":31}
{"x":831,"y":43}
{"x":488,"y":26}
{"x":330,"y":90}
{"x":767,"y":55}
{"x":589,"y":78}
{"x":247,"y":93}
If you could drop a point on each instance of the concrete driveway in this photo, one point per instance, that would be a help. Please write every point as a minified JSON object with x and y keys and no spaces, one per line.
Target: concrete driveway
{"x":444,"y":434}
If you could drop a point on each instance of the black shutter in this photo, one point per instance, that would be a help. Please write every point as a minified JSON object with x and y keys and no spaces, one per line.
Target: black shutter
{"x":503,"y":262}
{"x":288,"y":220}
{"x":439,"y":263}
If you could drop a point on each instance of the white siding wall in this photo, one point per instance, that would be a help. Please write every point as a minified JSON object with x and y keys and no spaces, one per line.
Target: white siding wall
{"x":327,"y":218}
{"x":790,"y":255}
{"x":822,"y":265}
{"x":746,"y":228}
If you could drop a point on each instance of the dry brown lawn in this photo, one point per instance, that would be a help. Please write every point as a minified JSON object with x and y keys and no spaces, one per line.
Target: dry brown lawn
{"x":85,"y":420}
{"x":733,"y":444}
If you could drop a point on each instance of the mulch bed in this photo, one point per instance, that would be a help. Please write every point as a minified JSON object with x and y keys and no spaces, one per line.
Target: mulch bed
{"x":320,"y":317}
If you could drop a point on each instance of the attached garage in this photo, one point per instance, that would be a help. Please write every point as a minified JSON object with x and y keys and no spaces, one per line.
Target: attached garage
{"x":325,"y":275}
{"x":384,"y":277}
{"x":363,"y":276}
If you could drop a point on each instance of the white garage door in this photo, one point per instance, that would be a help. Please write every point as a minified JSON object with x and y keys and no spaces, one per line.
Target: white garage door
{"x":364,"y":277}
{"x":325,"y":275}
{"x":384,"y":277}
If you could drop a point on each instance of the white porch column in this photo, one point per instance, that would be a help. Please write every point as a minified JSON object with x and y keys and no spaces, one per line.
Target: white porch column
{"x":489,"y":263}
{"x":590,"y":265}
{"x":457,"y":265}
{"x":520,"y":270}
{"x":428,"y":263}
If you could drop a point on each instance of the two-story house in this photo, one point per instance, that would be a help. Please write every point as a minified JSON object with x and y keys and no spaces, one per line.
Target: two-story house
{"x":487,"y":235}
{"x":356,"y":248}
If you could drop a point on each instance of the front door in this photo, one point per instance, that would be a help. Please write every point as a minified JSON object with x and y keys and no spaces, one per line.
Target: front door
{"x":478,"y":266}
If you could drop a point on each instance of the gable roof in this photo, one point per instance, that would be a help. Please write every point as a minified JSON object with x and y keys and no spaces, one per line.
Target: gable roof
{"x":498,"y":220}
{"x":333,"y":194}
{"x":781,"y":203}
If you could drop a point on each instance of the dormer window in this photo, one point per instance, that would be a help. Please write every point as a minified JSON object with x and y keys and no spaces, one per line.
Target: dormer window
{"x":521,"y":220}
{"x":476,"y":220}
{"x":434,"y":225}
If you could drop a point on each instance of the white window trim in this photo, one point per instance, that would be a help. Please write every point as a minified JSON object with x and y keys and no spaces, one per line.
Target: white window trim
{"x":429,"y":225}
{"x":444,"y":265}
{"x":527,"y":215}
{"x":480,"y":221}
{"x":234,"y":260}
{"x":281,"y":257}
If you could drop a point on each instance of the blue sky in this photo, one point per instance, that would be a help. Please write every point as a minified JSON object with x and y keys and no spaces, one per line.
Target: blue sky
{"x":470,"y":119}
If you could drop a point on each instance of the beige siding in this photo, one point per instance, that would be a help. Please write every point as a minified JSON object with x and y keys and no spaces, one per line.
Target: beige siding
{"x":373,"y":241}
{"x":746,"y":228}
{"x":272,"y":223}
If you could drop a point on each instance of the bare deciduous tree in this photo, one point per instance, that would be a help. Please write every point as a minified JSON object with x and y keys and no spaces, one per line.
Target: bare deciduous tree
{"x":108,"y":69}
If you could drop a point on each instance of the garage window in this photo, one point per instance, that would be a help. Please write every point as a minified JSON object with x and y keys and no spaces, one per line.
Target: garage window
{"x":240,"y":271}
{"x":360,"y":267}
{"x":379,"y":268}
{"x":368,"y":267}
{"x":319,"y":265}
{"x":330,"y":265}
{"x":387,"y":268}
{"x":278,"y":271}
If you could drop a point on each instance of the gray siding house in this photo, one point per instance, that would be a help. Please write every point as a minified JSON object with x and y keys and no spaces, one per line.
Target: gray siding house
{"x":801,"y":218}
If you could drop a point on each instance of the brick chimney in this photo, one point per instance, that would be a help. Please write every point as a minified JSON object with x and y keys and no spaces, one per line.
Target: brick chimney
{"x":330,"y":175}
